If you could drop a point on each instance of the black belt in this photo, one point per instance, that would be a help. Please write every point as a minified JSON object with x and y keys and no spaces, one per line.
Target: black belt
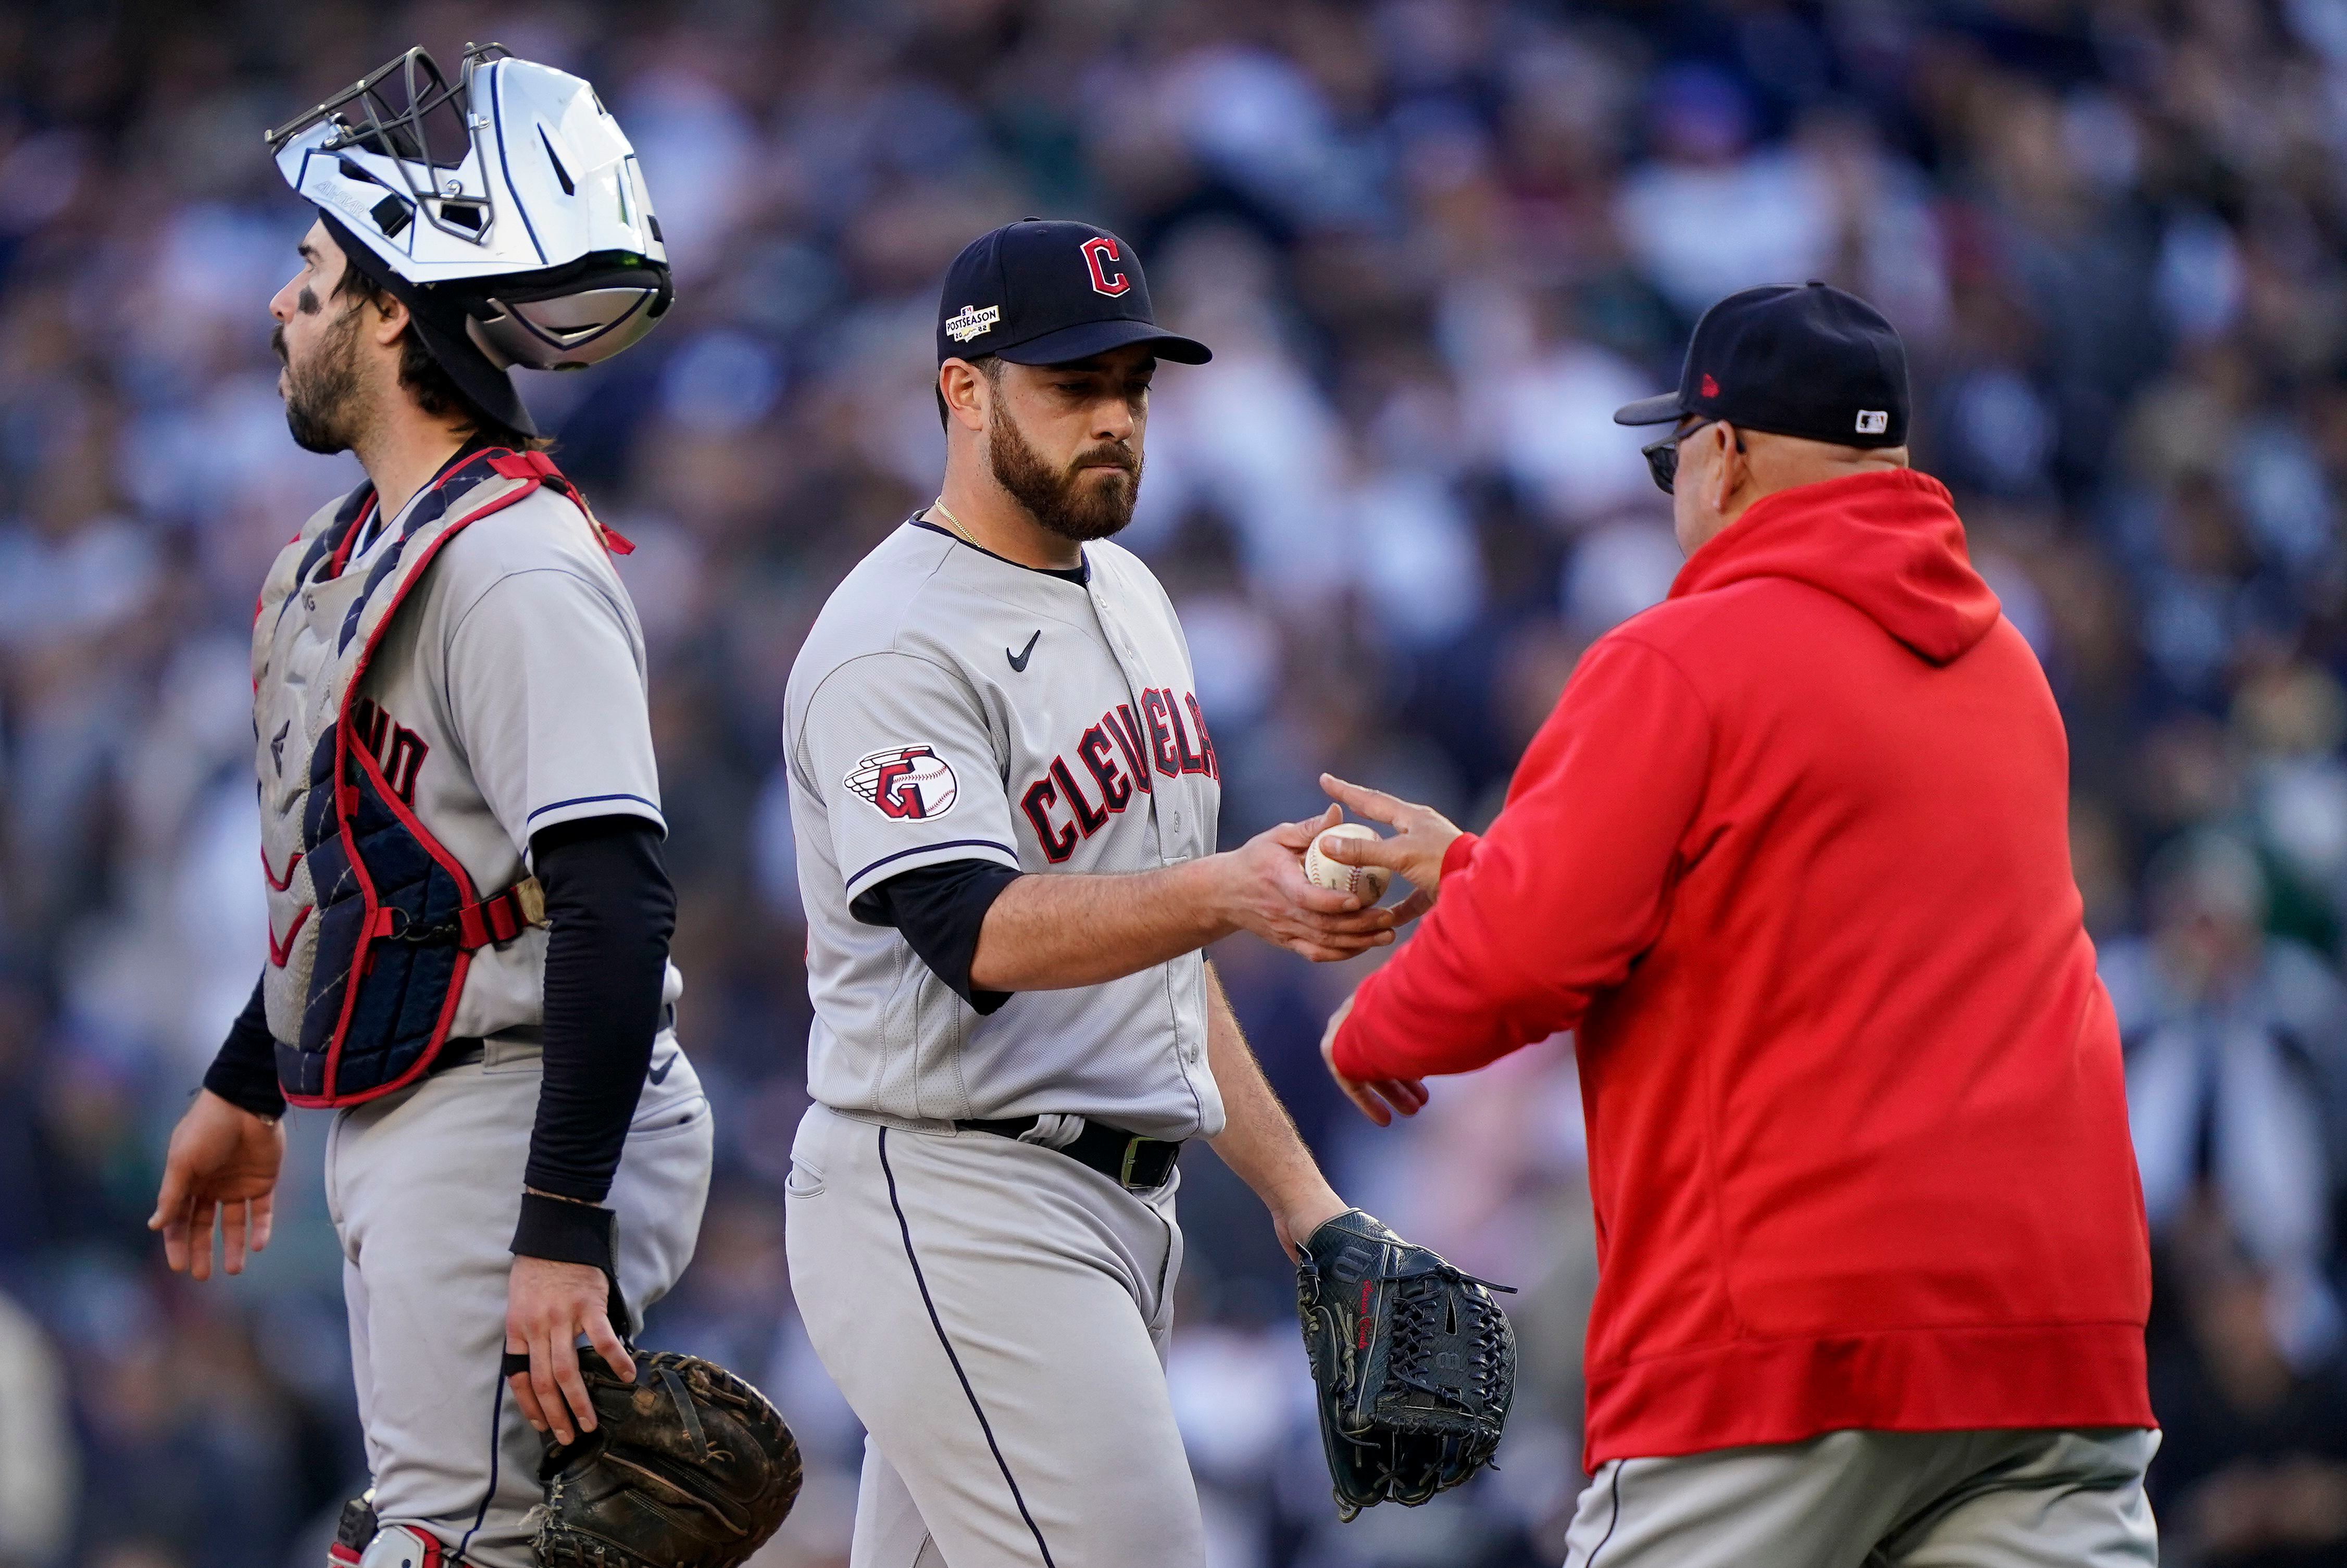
{"x":1136,"y":1164}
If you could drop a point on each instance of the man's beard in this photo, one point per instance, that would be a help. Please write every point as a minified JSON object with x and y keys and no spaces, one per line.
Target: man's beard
{"x":1067,"y":501}
{"x":322,"y":394}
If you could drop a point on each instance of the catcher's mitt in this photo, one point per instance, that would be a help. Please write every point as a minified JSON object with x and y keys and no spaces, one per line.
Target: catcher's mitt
{"x":1414,"y":1361}
{"x":688,"y":1466}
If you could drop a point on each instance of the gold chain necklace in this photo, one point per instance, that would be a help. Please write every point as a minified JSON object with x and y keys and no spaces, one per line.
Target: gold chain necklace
{"x":938,"y":507}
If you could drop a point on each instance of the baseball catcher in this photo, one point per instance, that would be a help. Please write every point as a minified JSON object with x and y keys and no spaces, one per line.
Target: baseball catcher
{"x":1414,"y":1361}
{"x":461,"y":829}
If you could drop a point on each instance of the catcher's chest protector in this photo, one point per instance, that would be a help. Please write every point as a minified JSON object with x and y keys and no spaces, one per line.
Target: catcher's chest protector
{"x":371,"y":921}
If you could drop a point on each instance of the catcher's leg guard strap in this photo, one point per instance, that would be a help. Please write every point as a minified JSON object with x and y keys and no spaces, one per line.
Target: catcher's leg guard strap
{"x":353,"y":1532}
{"x":404,"y":1546}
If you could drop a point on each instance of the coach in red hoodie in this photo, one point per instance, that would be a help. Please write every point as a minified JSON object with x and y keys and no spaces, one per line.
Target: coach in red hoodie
{"x":1790,"y":859}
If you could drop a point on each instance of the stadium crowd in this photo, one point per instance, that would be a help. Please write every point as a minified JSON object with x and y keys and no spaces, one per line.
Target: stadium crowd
{"x":1433,"y":244}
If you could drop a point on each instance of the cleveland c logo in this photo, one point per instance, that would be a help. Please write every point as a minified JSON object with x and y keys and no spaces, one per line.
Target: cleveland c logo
{"x":1099,"y":252}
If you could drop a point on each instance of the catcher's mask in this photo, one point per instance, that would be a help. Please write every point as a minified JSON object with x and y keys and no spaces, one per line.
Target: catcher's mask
{"x":507,"y":210}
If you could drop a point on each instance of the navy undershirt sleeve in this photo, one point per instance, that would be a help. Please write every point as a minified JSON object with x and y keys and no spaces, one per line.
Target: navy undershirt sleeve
{"x":244,"y":1073}
{"x":940,"y":910}
{"x":612,"y":911}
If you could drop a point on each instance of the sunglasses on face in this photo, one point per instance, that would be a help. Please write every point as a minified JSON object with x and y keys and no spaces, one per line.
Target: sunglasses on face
{"x":1663,"y":457}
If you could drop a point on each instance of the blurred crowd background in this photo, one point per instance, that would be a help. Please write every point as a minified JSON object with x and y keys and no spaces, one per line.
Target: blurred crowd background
{"x":1433,"y":244}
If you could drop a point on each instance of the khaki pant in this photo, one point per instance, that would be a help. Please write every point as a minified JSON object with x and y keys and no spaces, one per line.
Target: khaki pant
{"x":425,"y":1188}
{"x":1878,"y":1499}
{"x":996,"y":1315}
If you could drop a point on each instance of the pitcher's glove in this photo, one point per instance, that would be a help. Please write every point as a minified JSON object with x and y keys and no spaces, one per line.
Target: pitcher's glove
{"x":1414,"y":1361}
{"x":688,"y":1466}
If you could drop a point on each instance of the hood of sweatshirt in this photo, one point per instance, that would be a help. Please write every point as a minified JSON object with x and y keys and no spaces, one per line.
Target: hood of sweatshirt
{"x":1888,"y":543}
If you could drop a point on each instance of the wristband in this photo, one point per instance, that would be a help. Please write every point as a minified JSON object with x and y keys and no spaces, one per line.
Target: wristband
{"x":250,"y":1087}
{"x":563,"y":1232}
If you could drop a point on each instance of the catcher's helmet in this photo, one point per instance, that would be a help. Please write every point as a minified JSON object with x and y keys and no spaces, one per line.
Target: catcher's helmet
{"x":507,"y":210}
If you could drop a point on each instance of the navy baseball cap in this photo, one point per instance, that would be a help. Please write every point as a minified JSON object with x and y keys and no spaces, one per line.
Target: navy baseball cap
{"x":1806,"y":360}
{"x":1038,"y":292}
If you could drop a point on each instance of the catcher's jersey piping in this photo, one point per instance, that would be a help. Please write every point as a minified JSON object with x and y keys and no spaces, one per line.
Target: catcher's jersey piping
{"x":970,"y":1393}
{"x":594,"y":799}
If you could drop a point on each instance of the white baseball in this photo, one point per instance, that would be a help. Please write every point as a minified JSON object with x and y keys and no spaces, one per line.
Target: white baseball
{"x":1366,"y":882}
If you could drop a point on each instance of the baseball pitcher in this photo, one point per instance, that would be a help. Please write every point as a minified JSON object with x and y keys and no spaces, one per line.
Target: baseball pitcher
{"x":461,"y":824}
{"x":1005,"y":791}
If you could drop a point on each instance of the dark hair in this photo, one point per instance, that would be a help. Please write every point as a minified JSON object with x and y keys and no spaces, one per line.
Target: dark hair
{"x":989,"y":366}
{"x":434,"y":390}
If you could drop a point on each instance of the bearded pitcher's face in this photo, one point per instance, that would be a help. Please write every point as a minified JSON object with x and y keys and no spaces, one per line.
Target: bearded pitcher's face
{"x":1065,"y":440}
{"x":1090,"y":497}
{"x":317,"y":342}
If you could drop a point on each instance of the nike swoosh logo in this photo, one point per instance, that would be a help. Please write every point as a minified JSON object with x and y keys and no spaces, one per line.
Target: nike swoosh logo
{"x":277,"y":747}
{"x":660,"y":1074}
{"x":1019,"y":660}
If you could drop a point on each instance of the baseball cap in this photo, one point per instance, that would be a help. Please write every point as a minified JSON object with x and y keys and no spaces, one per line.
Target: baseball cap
{"x":1043,"y":292}
{"x":1796,"y":360}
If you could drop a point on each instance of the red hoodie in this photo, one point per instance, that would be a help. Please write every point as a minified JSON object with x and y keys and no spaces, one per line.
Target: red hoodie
{"x":1790,"y":858}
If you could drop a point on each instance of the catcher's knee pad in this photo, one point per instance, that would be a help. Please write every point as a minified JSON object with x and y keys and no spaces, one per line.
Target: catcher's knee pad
{"x":404,"y":1546}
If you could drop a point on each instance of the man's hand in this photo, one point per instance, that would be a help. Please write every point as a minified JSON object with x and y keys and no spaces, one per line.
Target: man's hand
{"x":547,"y":1305}
{"x":1422,"y":836}
{"x":222,"y":1162}
{"x":1264,"y":891}
{"x":1407,"y":1095}
{"x":1294,"y":1223}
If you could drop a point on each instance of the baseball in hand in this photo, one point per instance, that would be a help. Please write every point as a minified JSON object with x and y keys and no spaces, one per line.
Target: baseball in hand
{"x":1367,"y":883}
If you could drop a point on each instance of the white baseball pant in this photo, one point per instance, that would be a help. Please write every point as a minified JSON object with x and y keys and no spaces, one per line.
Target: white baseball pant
{"x":2017,"y":1499}
{"x":425,"y":1188}
{"x":997,"y":1315}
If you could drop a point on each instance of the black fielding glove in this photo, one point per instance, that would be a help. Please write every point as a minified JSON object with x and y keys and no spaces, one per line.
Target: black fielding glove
{"x":1414,"y":1363}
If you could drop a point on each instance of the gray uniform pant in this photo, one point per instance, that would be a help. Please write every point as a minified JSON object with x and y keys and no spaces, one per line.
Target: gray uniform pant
{"x":997,"y":1315}
{"x":425,"y":1188}
{"x":1878,"y":1499}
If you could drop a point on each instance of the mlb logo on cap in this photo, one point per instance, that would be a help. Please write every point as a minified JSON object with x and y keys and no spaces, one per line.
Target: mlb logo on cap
{"x":1038,"y":292}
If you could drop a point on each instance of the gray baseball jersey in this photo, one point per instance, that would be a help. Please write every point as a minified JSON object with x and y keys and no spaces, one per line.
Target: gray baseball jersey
{"x":508,"y":695}
{"x":952,"y":705}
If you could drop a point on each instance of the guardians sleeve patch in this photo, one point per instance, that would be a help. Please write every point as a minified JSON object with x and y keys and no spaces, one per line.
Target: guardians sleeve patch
{"x":905,"y":782}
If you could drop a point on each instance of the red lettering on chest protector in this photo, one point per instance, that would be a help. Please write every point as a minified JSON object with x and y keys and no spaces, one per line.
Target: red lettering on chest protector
{"x":398,"y":750}
{"x":1111,"y":767}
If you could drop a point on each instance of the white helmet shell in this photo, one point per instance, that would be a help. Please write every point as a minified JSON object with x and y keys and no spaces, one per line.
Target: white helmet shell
{"x":514,"y":192}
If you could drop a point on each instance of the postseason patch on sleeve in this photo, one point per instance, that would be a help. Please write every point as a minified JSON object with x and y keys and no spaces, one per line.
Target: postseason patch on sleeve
{"x":905,"y":784}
